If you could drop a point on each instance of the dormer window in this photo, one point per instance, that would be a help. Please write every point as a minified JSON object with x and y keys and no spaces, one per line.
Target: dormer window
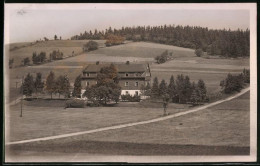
{"x":126,"y":83}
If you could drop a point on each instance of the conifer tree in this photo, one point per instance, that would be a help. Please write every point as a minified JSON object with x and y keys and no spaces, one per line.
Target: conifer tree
{"x":77,"y":87}
{"x":162,"y":88}
{"x":50,"y":83}
{"x":38,"y":84}
{"x":202,"y":89}
{"x":28,"y":85}
{"x":172,"y":89}
{"x":180,"y":87}
{"x":155,"y":88}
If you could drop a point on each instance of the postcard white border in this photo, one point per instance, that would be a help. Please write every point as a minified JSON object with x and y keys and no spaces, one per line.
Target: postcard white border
{"x":166,"y":6}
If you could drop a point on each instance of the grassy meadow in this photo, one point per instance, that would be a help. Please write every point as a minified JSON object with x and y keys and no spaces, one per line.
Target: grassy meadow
{"x":211,"y":70}
{"x":224,"y":124}
{"x":219,"y":130}
{"x":48,"y":118}
{"x":65,"y":46}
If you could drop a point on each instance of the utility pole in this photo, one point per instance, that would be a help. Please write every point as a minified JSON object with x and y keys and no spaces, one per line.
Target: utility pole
{"x":22,"y":100}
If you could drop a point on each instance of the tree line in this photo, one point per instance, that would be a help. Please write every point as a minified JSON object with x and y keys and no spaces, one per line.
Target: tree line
{"x":52,"y":85}
{"x":234,"y":83}
{"x":180,"y":91}
{"x":39,"y":58}
{"x":235,"y":43}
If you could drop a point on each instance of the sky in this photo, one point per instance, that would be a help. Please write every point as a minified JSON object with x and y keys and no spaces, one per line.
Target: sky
{"x":32,"y":23}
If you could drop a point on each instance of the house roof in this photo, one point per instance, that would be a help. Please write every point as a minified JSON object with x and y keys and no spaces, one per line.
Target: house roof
{"x":120,"y":67}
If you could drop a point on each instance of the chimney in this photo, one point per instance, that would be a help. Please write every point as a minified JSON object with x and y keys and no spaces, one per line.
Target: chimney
{"x":97,"y":62}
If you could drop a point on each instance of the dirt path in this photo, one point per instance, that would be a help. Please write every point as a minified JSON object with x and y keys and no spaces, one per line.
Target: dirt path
{"x":132,"y":124}
{"x":13,"y":102}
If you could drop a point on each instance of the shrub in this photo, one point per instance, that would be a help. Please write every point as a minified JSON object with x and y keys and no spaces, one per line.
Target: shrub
{"x":94,"y":104}
{"x":56,"y":55}
{"x":114,"y":40}
{"x":246,"y":75}
{"x":162,"y":58}
{"x":135,"y":98}
{"x":90,"y":46}
{"x":199,"y":52}
{"x":75,"y":103}
{"x":232,"y":83}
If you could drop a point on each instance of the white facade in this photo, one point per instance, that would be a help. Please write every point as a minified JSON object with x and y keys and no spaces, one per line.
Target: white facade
{"x":123,"y":92}
{"x":82,"y":91}
{"x":130,"y":92}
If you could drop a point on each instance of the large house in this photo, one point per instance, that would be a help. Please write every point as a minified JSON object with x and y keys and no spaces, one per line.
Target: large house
{"x":132,"y":76}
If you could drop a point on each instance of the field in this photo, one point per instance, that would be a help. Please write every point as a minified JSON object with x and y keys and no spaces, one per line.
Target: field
{"x":65,"y":46}
{"x":184,"y":62}
{"x":51,"y":115}
{"x":219,"y":130}
{"x":224,"y":124}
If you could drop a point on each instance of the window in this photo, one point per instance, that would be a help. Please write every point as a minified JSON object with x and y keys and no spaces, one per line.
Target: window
{"x":96,"y":82}
{"x":126,"y":83}
{"x":136,"y":83}
{"x":126,"y":92}
{"x":136,"y":93}
{"x":87,"y":74}
{"x":126,"y":74}
{"x":87,"y":83}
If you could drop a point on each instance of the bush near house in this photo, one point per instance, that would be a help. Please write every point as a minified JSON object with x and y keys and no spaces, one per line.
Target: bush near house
{"x":75,"y":103}
{"x":135,"y":98}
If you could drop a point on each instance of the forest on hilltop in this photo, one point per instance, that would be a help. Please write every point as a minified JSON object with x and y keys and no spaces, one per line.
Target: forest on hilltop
{"x":215,"y":42}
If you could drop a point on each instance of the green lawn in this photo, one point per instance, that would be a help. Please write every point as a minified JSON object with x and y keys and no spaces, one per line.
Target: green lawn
{"x":43,"y":119}
{"x":223,"y":129}
{"x":227,"y":124}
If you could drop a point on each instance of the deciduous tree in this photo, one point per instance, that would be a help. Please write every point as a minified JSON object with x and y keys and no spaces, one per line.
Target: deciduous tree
{"x":90,"y":46}
{"x":107,"y":87}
